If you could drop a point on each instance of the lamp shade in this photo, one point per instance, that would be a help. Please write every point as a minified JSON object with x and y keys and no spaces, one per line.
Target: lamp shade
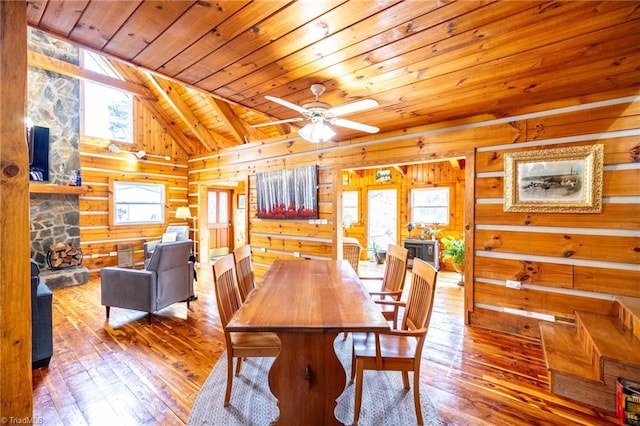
{"x":183,"y":213}
{"x":316,"y":132}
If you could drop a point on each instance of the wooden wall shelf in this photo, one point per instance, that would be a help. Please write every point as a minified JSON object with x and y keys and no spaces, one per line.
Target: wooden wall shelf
{"x":47,"y":188}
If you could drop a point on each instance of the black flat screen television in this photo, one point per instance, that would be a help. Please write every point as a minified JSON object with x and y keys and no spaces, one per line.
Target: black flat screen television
{"x":38,"y":138}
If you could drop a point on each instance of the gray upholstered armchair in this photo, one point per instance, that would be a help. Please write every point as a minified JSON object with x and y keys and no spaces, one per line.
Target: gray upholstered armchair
{"x":181,"y":231}
{"x":166,"y":279}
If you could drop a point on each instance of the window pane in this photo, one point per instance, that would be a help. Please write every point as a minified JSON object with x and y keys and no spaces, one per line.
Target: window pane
{"x":138,"y":203}
{"x":212,"y":201}
{"x":107,"y":113}
{"x":349,"y":207}
{"x":431,"y":215}
{"x":382,"y":221}
{"x":138,"y":193}
{"x":430,"y":206}
{"x":224,"y":200}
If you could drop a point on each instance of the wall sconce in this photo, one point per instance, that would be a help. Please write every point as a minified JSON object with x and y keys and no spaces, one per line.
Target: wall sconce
{"x":139,"y":154}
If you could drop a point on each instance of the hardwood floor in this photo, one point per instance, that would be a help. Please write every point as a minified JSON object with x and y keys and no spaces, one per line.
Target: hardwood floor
{"x":128,"y":373}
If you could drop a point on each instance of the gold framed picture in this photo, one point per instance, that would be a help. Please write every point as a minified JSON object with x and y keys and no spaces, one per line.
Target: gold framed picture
{"x":559,"y":180}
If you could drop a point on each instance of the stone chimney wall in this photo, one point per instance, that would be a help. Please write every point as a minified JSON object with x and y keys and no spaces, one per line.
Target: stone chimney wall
{"x":53,"y":101}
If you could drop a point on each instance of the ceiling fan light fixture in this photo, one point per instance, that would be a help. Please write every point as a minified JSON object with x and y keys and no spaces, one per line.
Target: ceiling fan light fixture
{"x":316,"y":132}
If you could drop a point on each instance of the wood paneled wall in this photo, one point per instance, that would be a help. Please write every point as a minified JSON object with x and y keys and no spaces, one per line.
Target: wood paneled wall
{"x":565,"y":261}
{"x":98,"y":238}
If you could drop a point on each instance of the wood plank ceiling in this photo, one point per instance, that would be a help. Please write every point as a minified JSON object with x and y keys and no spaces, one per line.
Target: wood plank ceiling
{"x":211,"y":64}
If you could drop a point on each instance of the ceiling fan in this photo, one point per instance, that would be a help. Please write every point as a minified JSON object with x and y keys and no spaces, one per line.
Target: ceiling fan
{"x":320,"y":114}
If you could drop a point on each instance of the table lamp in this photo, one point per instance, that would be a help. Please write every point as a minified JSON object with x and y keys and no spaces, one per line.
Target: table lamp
{"x":185,"y":213}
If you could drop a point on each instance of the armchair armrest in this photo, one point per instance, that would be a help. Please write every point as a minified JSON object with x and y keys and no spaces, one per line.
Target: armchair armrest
{"x":379,"y":278}
{"x":128,"y":288}
{"x":386,"y":293}
{"x":418,"y":332}
{"x":396,"y":303}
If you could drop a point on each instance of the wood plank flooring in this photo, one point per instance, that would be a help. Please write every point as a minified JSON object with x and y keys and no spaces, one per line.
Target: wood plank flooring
{"x":126,"y":372}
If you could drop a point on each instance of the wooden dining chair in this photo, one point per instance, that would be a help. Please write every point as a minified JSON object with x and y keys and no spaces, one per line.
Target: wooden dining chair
{"x":351,"y":249}
{"x":239,"y":345}
{"x":398,"y":350}
{"x":392,"y":281}
{"x":244,"y":270}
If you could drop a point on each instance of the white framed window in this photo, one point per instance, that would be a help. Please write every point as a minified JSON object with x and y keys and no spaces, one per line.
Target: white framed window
{"x":108,"y":112}
{"x":138,"y":203}
{"x":350,"y":207}
{"x":430,"y":206}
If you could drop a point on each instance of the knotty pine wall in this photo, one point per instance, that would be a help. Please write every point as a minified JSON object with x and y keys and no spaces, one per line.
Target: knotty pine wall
{"x":98,"y":239}
{"x":566,"y":261}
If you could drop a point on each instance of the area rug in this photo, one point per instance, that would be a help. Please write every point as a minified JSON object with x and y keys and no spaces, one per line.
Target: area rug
{"x":384,"y":399}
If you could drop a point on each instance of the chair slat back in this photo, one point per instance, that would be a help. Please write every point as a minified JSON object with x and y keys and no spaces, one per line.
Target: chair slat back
{"x":396,"y":268}
{"x":226,"y":286}
{"x":351,"y":253}
{"x":421,"y":294}
{"x":244,"y":270}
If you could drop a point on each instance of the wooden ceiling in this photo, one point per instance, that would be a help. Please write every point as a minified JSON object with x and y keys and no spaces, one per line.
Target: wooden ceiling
{"x":424,"y":61}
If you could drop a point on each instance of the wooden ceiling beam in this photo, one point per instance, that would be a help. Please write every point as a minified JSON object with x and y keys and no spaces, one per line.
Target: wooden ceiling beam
{"x":170,"y":94}
{"x":401,"y":169}
{"x":164,"y":120}
{"x":51,"y":64}
{"x":240,"y":130}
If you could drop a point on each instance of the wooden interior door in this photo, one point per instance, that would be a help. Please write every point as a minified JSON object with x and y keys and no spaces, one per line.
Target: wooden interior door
{"x":219,"y":222}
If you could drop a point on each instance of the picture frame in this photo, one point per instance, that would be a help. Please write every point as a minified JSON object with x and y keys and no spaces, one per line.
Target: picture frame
{"x":558,"y":180}
{"x":242,"y":201}
{"x":288,"y":194}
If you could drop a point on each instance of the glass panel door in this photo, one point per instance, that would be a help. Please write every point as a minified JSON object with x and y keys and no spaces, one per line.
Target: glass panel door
{"x":382,"y":208}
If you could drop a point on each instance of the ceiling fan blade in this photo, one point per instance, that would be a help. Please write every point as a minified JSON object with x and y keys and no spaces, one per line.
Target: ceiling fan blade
{"x":273,"y":123}
{"x":354,"y":125}
{"x":287,"y":104}
{"x":353,"y":107}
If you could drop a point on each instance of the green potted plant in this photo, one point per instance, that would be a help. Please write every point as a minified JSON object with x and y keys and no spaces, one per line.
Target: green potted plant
{"x":454,"y":251}
{"x":378,"y":254}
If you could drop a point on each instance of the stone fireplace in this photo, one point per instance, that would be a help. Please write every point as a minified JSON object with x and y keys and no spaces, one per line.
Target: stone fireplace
{"x":53,"y":102}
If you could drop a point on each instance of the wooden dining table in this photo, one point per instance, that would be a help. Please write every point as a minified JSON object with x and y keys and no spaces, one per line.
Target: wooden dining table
{"x":308,"y":303}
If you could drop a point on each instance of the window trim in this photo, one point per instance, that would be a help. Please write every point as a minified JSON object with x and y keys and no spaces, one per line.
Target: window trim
{"x":112,"y":203}
{"x":82,"y":111}
{"x":449,"y":204}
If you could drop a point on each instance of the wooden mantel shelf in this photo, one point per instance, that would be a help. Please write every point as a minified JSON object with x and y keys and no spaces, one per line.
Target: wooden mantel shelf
{"x":47,"y":188}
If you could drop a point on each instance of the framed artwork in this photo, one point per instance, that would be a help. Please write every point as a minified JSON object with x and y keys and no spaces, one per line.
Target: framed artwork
{"x":560,"y":180}
{"x":288,"y":194}
{"x":242,"y":201}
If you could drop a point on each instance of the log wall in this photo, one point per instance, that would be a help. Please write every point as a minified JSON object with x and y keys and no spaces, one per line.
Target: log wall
{"x":566,"y":261}
{"x":100,"y":166}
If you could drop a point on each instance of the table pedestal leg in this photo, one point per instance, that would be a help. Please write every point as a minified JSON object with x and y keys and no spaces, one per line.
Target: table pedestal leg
{"x":307,"y":378}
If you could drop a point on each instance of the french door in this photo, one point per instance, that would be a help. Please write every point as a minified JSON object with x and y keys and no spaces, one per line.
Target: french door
{"x":219,"y":222}
{"x":382,"y":218}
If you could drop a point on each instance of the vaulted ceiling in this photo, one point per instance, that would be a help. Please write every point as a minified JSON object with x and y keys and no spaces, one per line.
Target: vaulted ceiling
{"x":210,"y":64}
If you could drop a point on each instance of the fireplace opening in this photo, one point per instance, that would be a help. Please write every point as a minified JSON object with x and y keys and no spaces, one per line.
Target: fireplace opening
{"x":64,"y":255}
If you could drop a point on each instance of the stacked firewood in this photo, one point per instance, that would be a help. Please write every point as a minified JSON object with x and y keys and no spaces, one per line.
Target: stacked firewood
{"x":63,"y":255}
